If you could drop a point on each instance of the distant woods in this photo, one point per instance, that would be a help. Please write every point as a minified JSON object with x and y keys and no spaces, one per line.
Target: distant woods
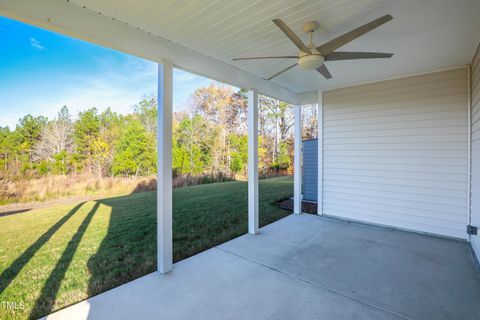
{"x":209,"y":137}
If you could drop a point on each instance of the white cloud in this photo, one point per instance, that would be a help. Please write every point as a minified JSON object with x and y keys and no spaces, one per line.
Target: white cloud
{"x":36,"y":44}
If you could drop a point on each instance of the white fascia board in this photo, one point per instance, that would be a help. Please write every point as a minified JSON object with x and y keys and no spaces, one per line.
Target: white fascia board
{"x":72,"y":20}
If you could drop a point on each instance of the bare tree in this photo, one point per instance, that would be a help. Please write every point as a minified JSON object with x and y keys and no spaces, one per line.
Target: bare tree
{"x":276,"y":122}
{"x":227,"y":111}
{"x":55,"y":137}
{"x":146,"y":111}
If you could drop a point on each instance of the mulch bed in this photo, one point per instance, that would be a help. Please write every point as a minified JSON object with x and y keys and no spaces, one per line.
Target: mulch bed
{"x":307,"y":206}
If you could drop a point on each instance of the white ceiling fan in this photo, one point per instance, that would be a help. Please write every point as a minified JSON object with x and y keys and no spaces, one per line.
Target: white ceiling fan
{"x":311,"y":57}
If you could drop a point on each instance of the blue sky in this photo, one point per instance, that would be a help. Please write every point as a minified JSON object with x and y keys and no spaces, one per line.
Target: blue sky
{"x":41,"y":71}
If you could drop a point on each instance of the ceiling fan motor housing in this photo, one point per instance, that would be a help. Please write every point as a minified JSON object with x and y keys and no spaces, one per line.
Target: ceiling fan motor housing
{"x":311,"y":61}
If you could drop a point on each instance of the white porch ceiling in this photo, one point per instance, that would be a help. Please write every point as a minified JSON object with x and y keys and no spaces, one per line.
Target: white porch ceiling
{"x":424,"y":35}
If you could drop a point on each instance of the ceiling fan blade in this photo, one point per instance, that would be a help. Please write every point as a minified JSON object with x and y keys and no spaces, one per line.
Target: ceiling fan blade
{"x":339,"y":55}
{"x":352,"y":35}
{"x":279,"y":73}
{"x":254,"y":58}
{"x":291,"y":35}
{"x":324,"y":71}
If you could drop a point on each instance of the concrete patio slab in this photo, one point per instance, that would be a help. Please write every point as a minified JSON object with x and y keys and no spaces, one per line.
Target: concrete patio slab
{"x":413,"y":275}
{"x":304,"y":267}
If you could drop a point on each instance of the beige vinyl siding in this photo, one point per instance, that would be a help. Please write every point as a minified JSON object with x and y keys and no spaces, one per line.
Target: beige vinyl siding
{"x":475,"y":106}
{"x":395,"y":152}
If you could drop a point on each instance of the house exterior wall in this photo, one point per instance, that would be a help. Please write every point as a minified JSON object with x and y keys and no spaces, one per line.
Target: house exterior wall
{"x":396,"y":152}
{"x":310,"y":169}
{"x":475,"y":164}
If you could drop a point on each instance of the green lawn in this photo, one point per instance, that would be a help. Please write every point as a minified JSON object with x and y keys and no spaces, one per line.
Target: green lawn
{"x":51,"y":258}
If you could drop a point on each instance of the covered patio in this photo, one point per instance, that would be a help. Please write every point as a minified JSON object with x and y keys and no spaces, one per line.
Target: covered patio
{"x":396,"y":231}
{"x":305,"y":267}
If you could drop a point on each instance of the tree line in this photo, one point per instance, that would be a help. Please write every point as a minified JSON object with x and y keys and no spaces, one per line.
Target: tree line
{"x":209,"y":137}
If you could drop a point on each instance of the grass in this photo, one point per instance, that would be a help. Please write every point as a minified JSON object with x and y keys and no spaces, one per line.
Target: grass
{"x":51,"y":258}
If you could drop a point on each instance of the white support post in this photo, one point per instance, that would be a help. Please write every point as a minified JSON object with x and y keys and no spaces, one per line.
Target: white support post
{"x":320,"y":153}
{"x":297,"y":160}
{"x":164,"y":168}
{"x":252,"y":161}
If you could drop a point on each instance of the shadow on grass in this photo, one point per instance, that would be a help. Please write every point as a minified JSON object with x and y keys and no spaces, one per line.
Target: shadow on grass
{"x":128,"y":251}
{"x":46,"y":301}
{"x":11,"y":212}
{"x":14,"y":269}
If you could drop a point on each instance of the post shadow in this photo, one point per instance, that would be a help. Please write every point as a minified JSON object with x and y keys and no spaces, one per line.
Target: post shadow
{"x":45,"y":302}
{"x":14,"y":269}
{"x":128,"y":251}
{"x":12,"y":212}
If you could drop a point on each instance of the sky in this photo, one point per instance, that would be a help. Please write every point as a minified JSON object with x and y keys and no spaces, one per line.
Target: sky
{"x":41,"y":71}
